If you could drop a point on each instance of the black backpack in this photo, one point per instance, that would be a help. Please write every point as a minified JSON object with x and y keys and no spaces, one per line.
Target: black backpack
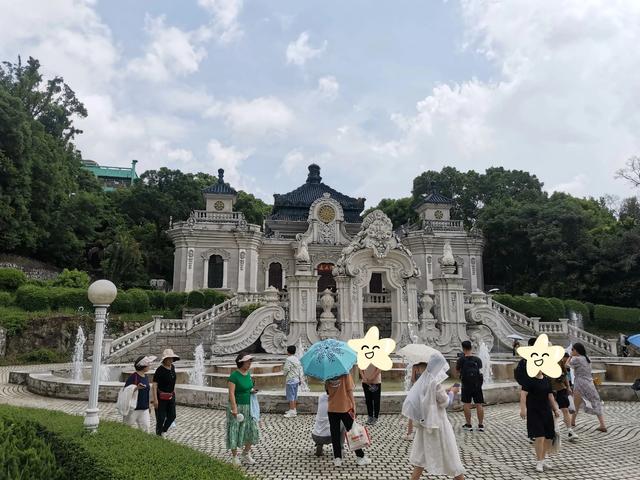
{"x":520,"y":372}
{"x":470,"y":371}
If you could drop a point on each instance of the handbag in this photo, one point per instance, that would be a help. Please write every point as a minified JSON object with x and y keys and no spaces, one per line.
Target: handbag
{"x":358,"y":437}
{"x":165,"y":396}
{"x":255,"y":407}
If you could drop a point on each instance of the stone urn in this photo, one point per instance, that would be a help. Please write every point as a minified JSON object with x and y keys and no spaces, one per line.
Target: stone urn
{"x":327,"y":328}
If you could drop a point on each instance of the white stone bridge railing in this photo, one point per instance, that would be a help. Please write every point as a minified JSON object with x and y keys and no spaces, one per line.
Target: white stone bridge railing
{"x":530,"y":324}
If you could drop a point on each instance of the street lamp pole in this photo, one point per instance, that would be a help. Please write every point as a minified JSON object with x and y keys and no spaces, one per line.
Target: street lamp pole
{"x":101,"y":293}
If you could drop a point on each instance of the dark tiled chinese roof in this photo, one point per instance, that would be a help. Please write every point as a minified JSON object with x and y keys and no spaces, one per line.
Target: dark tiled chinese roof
{"x":220,"y":187}
{"x":294,"y":206}
{"x":435,"y":197}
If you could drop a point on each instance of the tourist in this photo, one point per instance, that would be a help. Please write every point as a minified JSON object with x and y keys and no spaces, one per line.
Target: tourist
{"x":341,"y":411}
{"x":584,"y":390}
{"x":321,"y":433}
{"x":520,"y":376}
{"x":469,"y":367}
{"x":293,"y":374}
{"x":372,"y":387}
{"x":561,"y":391}
{"x":164,"y":385}
{"x":242,"y":429}
{"x":139,"y":417}
{"x":417,"y":370}
{"x":514,"y":348}
{"x":434,"y":447}
{"x":538,"y":406}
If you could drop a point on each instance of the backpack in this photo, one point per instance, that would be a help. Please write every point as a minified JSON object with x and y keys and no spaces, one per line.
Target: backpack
{"x":520,"y":372}
{"x":470,"y":371}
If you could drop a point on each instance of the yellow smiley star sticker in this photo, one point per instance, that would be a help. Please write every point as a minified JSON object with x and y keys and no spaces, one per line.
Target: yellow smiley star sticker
{"x":542,"y":357}
{"x":373,"y":349}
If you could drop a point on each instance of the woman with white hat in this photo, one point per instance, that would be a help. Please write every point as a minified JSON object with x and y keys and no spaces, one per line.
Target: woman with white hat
{"x":164,"y":384}
{"x":242,"y":429}
{"x":140,"y":416}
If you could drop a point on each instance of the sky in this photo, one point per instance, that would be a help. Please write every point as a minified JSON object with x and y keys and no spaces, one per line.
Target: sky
{"x":375,"y":92}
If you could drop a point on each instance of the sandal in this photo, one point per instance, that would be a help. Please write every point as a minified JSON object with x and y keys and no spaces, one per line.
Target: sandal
{"x":602,"y":429}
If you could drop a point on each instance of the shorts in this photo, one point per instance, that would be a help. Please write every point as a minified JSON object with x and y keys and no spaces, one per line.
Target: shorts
{"x":562,"y":398}
{"x":292,"y":391}
{"x":471,"y":393}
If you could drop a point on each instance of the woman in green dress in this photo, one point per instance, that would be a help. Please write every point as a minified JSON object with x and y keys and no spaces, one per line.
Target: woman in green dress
{"x":242,"y":429}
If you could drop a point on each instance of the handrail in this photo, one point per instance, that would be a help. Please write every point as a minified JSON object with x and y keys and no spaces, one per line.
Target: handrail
{"x":511,"y":314}
{"x":591,"y":339}
{"x":214,"y":312}
{"x":137,"y":334}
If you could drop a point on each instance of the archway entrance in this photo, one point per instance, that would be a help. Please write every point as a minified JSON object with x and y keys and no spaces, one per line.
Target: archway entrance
{"x":216,"y":272}
{"x":275,"y":275}
{"x":326,"y":279}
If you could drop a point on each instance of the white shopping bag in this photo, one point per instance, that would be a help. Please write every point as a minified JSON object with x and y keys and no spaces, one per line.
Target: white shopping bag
{"x":556,"y":443}
{"x":358,"y":437}
{"x":572,"y":405}
{"x":255,"y":407}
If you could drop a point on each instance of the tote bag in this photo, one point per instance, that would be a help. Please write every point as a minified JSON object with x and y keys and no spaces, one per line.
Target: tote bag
{"x":255,"y":407}
{"x":358,"y":437}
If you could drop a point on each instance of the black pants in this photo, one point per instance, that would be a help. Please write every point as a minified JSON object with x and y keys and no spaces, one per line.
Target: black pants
{"x":336,"y":438}
{"x":165,"y":415}
{"x":372,"y":397}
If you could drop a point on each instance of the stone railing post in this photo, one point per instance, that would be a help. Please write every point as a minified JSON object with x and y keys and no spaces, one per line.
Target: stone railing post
{"x":157,"y":323}
{"x":564,"y":322}
{"x":189,"y":319}
{"x":535,"y":324}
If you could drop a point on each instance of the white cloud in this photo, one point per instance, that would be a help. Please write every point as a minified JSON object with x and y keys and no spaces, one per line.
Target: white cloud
{"x":299,"y":51}
{"x":170,"y":52}
{"x":328,"y":87}
{"x":181,"y":155}
{"x":257,"y":117}
{"x":576,"y":186}
{"x":225,"y":18}
{"x":230,"y":159}
{"x":292,"y":160}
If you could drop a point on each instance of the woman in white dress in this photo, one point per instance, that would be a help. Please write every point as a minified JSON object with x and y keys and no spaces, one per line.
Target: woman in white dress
{"x":434,"y":446}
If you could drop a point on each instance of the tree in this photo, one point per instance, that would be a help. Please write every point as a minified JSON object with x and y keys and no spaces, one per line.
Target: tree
{"x":254,"y":209}
{"x":401,"y":211}
{"x":122,"y":263}
{"x":630,"y":210}
{"x":631,"y":172}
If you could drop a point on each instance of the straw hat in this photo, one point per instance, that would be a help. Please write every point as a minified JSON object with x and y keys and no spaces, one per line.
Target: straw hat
{"x":168,"y":353}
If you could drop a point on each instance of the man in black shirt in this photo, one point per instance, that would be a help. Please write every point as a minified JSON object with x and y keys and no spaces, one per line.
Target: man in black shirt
{"x":469,"y":368}
{"x":164,"y":384}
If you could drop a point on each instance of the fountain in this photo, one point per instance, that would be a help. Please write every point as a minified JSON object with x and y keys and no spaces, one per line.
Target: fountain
{"x":196,"y":374}
{"x":78,"y":355}
{"x":105,"y":373}
{"x":407,"y":376}
{"x":304,"y":386}
{"x":487,"y":372}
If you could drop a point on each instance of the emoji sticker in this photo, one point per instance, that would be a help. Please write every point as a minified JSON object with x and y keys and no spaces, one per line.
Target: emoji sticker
{"x":373,"y":349}
{"x":541,"y":356}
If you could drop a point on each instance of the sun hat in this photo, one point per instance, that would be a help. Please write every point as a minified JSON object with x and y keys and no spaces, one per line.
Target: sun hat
{"x":168,"y":353}
{"x":144,"y":361}
{"x":246,"y":358}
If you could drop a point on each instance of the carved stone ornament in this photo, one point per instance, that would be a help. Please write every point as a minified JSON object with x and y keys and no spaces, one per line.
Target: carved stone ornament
{"x":273,"y":340}
{"x":191,"y":221}
{"x":243,"y":256}
{"x":190,"y":255}
{"x":302,"y":252}
{"x":447,"y":257}
{"x":250,"y":330}
{"x":327,"y":327}
{"x":426,"y":302}
{"x":216,"y":251}
{"x":479,"y":334}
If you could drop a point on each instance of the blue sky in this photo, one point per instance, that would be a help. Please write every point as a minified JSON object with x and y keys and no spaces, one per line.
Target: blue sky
{"x":374,"y":92}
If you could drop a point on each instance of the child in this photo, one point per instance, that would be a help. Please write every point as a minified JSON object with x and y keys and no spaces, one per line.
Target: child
{"x":434,"y":447}
{"x":293,"y":373}
{"x":469,"y":368}
{"x":416,"y":370}
{"x":321,"y":433}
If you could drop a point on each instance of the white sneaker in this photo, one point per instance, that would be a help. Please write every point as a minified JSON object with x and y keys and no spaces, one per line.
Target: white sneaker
{"x":408,"y":437}
{"x":235,"y":461}
{"x":540,"y":467}
{"x":337,"y":462}
{"x":287,"y":412}
{"x":290,"y":414}
{"x":572,"y":435}
{"x":362,"y":461}
{"x":248,"y":459}
{"x":547,"y":464}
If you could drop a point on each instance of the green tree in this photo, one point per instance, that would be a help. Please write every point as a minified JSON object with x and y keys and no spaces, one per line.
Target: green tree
{"x":122,"y":263}
{"x":400,"y":212}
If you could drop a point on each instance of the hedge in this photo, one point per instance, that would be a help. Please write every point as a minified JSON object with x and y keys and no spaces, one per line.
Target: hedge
{"x":156,"y":299}
{"x":558,"y":307}
{"x":247,"y":310}
{"x":72,"y":279}
{"x":42,"y":355}
{"x":11,"y":279}
{"x":175,"y":300}
{"x":123,"y":303}
{"x":32,"y":298}
{"x":6,"y":299}
{"x":61,"y":297}
{"x":139,"y":300}
{"x":116,"y":451}
{"x":195,"y":299}
{"x":627,"y":319}
{"x":13,"y":320}
{"x":213,"y":297}
{"x":578,"y":308}
{"x":531,"y":306}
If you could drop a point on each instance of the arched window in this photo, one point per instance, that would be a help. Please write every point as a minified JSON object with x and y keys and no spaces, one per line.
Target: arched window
{"x":216,"y":272}
{"x":275,"y":275}
{"x":326,"y":279}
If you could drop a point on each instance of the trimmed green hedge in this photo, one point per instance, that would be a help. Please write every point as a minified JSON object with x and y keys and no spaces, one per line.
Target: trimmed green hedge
{"x":156,"y":299}
{"x":579,"y":308}
{"x":195,"y":299}
{"x":32,"y":298}
{"x":11,"y":279}
{"x":139,"y":300}
{"x":42,"y":355}
{"x":247,"y":310}
{"x":72,"y":279}
{"x":531,"y":306}
{"x":116,"y":451}
{"x":213,"y":297}
{"x":6,"y":299}
{"x":175,"y":300}
{"x":61,"y":297}
{"x":558,"y":307}
{"x":123,"y":303}
{"x":627,"y":319}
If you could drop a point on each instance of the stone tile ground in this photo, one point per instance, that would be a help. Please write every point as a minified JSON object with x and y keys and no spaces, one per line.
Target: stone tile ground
{"x":500,"y":453}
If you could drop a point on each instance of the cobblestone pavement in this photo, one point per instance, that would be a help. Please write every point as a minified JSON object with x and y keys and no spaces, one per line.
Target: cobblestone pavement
{"x":500,"y":453}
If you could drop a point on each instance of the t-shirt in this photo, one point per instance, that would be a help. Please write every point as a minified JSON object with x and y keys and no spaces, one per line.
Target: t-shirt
{"x":372,"y":373}
{"x":244,"y":385}
{"x":143,"y":395}
{"x":560,"y":383}
{"x":340,"y":391}
{"x":462,"y":360}
{"x":165,"y":378}
{"x":538,"y":390}
{"x":292,"y":369}
{"x":321,"y":427}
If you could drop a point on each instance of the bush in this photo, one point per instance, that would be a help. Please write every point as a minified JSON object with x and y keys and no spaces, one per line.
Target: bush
{"x":41,"y":355}
{"x":123,"y":303}
{"x":11,"y":279}
{"x":175,"y":300}
{"x":32,"y":298}
{"x":139,"y":300}
{"x":195,"y":299}
{"x":25,"y":454}
{"x":591,"y":307}
{"x":247,"y":310}
{"x":116,"y":451}
{"x":13,"y":320}
{"x":73,"y":298}
{"x":578,"y":308}
{"x":6,"y":299}
{"x":72,"y":279}
{"x":558,"y":307}
{"x":156,"y":299}
{"x":213,"y":297}
{"x":617,"y":318}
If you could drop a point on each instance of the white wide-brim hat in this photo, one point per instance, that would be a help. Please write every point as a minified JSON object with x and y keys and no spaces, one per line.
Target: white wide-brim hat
{"x":168,"y":353}
{"x":146,"y":361}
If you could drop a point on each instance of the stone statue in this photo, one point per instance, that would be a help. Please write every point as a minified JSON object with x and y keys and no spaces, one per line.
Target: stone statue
{"x":302,"y":253}
{"x":447,"y":257}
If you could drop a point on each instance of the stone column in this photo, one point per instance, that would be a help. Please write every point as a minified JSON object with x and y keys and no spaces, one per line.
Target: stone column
{"x":190,"y":262}
{"x":205,"y":270}
{"x":303,"y":298}
{"x":253,"y":270}
{"x":242,"y":261}
{"x":343,"y":287}
{"x":449,"y":290}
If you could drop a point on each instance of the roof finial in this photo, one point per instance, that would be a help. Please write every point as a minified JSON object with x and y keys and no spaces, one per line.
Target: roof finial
{"x":314,"y":174}
{"x":221,"y":175}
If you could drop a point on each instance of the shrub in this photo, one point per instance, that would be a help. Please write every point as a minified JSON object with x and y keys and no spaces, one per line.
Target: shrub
{"x":72,"y":279}
{"x":539,"y":307}
{"x":591,"y":307}
{"x":41,"y":355}
{"x":116,"y":451}
{"x":73,"y":298}
{"x":156,"y":299}
{"x":577,"y":307}
{"x":11,"y":279}
{"x":213,"y":297}
{"x":13,"y":320}
{"x":504,"y":298}
{"x":247,"y":310}
{"x":6,"y":299}
{"x":32,"y":298}
{"x":139,"y":300}
{"x":122,"y":303}
{"x":24,"y":453}
{"x":558,"y":307}
{"x":195,"y":299}
{"x":175,"y":300}
{"x":619,"y":318}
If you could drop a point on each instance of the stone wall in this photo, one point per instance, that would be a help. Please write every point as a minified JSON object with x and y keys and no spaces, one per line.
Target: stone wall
{"x":379,"y":317}
{"x":33,"y":269}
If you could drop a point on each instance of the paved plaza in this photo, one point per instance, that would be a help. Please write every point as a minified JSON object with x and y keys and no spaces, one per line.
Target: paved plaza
{"x":500,"y":453}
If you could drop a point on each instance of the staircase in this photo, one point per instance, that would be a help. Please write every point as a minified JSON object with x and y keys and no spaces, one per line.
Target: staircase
{"x":158,"y":325}
{"x":560,"y":332}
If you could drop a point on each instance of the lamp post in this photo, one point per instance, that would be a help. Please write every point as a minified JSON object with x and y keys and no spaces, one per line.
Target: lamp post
{"x":101,"y":293}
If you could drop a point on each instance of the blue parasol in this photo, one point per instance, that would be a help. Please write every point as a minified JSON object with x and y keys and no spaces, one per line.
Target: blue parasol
{"x":634,"y":340}
{"x":328,"y":359}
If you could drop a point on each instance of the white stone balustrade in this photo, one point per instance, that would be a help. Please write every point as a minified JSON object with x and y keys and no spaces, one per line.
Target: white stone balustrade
{"x":377,"y":298}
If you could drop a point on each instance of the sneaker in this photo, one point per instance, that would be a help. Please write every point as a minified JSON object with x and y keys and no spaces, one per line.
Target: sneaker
{"x":362,"y":461}
{"x":467,"y":427}
{"x":532,"y":441}
{"x":370,"y":421}
{"x":547,"y":464}
{"x":375,"y":420}
{"x":291,"y":414}
{"x":481,"y":428}
{"x":572,"y":435}
{"x":540,"y":467}
{"x":337,"y":462}
{"x":318,"y":450}
{"x":248,"y":459}
{"x":235,"y":461}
